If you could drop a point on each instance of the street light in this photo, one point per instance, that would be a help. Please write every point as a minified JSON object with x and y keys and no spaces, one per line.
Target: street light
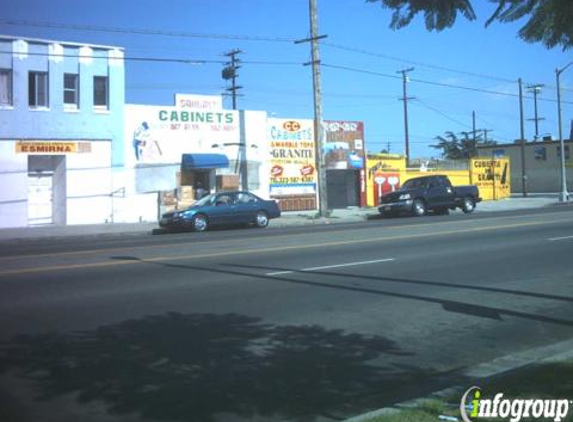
{"x":563,"y":196}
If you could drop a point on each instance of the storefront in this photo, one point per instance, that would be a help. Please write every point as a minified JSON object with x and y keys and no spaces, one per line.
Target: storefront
{"x":57,"y":181}
{"x":174,"y":154}
{"x":345,"y":163}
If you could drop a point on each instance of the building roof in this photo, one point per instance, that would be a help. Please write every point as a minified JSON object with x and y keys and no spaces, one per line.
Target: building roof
{"x":63,"y":43}
{"x":517,"y":144}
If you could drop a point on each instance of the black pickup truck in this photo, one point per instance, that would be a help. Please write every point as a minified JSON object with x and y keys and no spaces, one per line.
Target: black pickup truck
{"x":429,"y":193}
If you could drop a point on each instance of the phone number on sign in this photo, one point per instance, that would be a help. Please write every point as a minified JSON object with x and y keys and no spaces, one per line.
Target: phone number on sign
{"x":288,"y":180}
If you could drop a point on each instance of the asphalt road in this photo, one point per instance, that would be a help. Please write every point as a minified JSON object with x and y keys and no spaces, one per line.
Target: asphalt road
{"x":306,"y":323}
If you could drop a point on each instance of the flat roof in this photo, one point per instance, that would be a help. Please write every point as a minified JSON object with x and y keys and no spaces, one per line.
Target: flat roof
{"x":64,"y":43}
{"x":518,"y":144}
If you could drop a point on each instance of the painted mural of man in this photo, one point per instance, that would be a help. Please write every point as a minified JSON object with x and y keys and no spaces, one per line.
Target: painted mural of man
{"x":146,"y":148}
{"x":140,"y":138}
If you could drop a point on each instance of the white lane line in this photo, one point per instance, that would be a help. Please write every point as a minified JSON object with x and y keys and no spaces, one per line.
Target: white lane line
{"x":561,"y":238}
{"x":350,"y":264}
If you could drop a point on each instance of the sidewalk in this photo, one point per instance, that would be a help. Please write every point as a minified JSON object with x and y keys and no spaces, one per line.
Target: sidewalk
{"x":289,"y":218}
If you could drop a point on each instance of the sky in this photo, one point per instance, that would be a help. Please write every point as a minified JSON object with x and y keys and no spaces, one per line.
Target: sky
{"x":465,"y":69}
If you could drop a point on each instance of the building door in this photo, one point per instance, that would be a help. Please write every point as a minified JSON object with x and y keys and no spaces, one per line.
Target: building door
{"x":46,"y":189}
{"x":40,"y":198}
{"x":343,"y":188}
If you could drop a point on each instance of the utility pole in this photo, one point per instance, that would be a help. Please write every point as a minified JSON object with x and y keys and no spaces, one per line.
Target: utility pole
{"x":317,"y":97}
{"x":535,"y":89}
{"x":230,"y":73}
{"x":485,"y":131}
{"x":564,"y":195}
{"x":405,"y":98}
{"x":522,"y":140}
{"x":474,"y":133}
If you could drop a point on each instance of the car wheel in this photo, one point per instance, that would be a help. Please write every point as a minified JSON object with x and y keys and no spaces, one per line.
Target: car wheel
{"x":419,"y":208}
{"x":200,"y":223}
{"x":468,"y":205}
{"x":262,"y":219}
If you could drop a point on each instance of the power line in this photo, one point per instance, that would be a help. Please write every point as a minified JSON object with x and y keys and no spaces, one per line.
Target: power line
{"x":161,"y":59}
{"x":426,"y":65}
{"x":442,"y":84}
{"x":242,"y":37}
{"x":140,"y":31}
{"x":414,"y":62}
{"x":422,"y":103}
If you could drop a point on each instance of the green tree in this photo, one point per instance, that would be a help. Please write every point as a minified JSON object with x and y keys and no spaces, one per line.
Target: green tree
{"x":548,"y":21}
{"x":455,"y":148}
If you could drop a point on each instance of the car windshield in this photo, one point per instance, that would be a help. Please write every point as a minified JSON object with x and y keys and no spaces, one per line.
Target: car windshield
{"x":206,"y":200}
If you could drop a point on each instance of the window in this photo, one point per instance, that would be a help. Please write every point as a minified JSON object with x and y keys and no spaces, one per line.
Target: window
{"x":71,"y":89}
{"x":101,"y":91}
{"x":540,"y":153}
{"x":38,"y":89}
{"x":246,"y":198}
{"x":5,"y":87}
{"x":566,"y":152}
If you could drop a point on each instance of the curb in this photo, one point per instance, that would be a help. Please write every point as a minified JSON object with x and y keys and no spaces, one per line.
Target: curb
{"x":556,"y":352}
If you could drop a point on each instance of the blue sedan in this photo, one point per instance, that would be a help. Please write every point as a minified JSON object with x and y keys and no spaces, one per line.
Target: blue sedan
{"x":223,"y":208}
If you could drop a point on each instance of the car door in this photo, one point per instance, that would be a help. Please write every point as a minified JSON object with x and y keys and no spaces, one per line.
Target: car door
{"x":223,"y":209}
{"x":449,"y":192}
{"x":437,"y":194}
{"x":246,"y":207}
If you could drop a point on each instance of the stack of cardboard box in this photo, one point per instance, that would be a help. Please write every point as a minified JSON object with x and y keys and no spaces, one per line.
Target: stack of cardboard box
{"x":185,"y":197}
{"x":227,"y":182}
{"x":168,"y":200}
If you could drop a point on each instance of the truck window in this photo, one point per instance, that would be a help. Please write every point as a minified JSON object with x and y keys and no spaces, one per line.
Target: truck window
{"x":445,"y":182}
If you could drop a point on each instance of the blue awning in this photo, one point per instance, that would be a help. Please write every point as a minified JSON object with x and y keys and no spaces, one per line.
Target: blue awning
{"x":204,"y":161}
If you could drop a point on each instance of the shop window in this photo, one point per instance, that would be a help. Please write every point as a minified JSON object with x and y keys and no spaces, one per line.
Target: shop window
{"x":38,"y":89}
{"x":540,"y":153}
{"x":101,"y":92}
{"x":566,"y":152}
{"x":5,"y":87}
{"x":71,"y":90}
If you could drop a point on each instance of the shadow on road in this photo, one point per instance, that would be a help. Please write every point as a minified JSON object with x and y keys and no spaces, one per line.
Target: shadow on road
{"x":196,"y":367}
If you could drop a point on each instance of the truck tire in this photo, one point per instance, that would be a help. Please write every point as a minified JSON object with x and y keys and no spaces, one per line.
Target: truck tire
{"x":419,"y":208}
{"x":468,"y":205}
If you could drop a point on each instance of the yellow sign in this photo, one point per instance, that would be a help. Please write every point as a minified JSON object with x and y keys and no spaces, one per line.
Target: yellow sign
{"x":492,"y":177}
{"x":52,"y":147}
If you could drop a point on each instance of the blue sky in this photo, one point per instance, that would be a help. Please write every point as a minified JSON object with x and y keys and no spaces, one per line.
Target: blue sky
{"x":359,"y":40}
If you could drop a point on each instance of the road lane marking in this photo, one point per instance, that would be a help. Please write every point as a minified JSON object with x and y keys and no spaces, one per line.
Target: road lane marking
{"x":350,"y":264}
{"x":226,"y":242}
{"x":245,"y":251}
{"x":553,"y":239}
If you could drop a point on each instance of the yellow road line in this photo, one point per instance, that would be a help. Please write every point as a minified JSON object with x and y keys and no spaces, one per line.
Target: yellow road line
{"x":227,"y":242}
{"x":267,"y":250}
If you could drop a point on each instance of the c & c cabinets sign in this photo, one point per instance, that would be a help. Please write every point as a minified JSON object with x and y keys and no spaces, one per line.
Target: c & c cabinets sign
{"x":292,"y":158}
